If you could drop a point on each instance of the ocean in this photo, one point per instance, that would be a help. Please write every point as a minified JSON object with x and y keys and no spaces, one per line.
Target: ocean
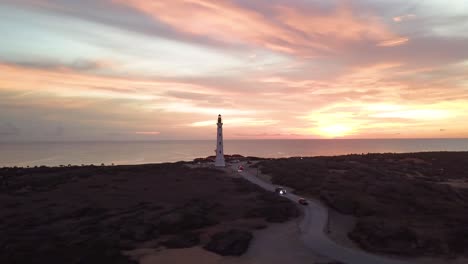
{"x":77,"y":153}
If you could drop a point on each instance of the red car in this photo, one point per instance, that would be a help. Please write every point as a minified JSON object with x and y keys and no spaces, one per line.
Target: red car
{"x":303,"y":201}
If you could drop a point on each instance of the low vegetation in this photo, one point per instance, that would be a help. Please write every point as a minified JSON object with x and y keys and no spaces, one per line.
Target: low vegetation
{"x":90,"y":214}
{"x":406,"y":204}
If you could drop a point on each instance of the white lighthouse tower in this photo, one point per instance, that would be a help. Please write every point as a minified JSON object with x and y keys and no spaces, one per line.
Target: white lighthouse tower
{"x":219,"y":162}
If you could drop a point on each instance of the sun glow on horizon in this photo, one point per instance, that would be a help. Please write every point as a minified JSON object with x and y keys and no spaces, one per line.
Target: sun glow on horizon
{"x":335,"y":131}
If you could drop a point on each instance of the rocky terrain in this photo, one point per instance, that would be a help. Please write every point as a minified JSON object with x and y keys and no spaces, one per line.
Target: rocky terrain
{"x":90,"y":214}
{"x":412,"y":204}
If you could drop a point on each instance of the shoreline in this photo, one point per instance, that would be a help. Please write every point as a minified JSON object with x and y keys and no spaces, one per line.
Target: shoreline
{"x":142,"y":152}
{"x":192,"y":160}
{"x":227,"y":156}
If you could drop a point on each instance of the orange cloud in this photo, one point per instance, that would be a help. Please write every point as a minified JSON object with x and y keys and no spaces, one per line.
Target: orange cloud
{"x":372,"y":101}
{"x":67,"y":82}
{"x":292,"y":31}
{"x":344,"y":78}
{"x":339,"y":24}
{"x":153,"y":94}
{"x":148,"y":133}
{"x":393,"y":42}
{"x":237,"y":122}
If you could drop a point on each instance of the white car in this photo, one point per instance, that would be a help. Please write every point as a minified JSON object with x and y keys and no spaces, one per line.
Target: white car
{"x":280,"y":190}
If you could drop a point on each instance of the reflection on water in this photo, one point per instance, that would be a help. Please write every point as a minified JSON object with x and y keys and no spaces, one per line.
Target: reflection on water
{"x":76,"y":153}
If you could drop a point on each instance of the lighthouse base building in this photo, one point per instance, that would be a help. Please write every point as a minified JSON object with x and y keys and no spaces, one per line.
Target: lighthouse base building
{"x":219,"y":161}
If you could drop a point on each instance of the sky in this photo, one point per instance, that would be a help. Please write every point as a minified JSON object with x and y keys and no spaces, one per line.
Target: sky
{"x":159,"y":70}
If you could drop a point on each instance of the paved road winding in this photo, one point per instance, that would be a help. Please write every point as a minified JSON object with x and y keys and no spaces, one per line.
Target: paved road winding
{"x":312,"y":232}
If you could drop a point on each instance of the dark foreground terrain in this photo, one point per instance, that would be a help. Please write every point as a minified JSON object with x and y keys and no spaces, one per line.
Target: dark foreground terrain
{"x":413,"y":204}
{"x":90,"y":214}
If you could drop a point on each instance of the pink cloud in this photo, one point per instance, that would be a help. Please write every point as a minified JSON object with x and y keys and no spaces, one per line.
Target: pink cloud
{"x":402,"y":18}
{"x":148,"y":133}
{"x":291,"y":30}
{"x":339,"y":24}
{"x":393,"y":42}
{"x":280,"y":105}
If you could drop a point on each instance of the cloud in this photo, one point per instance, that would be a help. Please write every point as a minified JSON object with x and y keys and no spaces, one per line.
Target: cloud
{"x":289,"y":29}
{"x":148,"y":133}
{"x":273,"y":68}
{"x":416,"y":114}
{"x":393,"y":42}
{"x":365,"y":98}
{"x":237,"y":122}
{"x":269,"y":135}
{"x":9,"y":129}
{"x":349,"y":118}
{"x":402,"y":18}
{"x":79,"y":65}
{"x":59,"y":131}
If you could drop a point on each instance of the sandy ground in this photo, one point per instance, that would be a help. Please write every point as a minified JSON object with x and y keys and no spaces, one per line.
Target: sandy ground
{"x":277,"y":244}
{"x":189,"y":255}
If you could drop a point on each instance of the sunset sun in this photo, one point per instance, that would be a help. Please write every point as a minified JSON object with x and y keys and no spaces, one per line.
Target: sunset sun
{"x":334,"y":131}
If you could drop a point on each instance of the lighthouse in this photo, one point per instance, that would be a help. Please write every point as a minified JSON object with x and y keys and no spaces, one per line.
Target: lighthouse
{"x":219,"y":162}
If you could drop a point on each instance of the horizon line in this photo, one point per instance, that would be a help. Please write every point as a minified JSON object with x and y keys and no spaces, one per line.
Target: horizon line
{"x":232,"y":139}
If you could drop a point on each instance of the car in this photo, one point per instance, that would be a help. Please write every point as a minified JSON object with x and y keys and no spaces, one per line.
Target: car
{"x":280,"y":190}
{"x":302,"y":201}
{"x":240,"y":169}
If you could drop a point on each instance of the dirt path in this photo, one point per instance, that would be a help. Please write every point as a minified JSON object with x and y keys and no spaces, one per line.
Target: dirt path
{"x":313,"y":235}
{"x":277,"y":244}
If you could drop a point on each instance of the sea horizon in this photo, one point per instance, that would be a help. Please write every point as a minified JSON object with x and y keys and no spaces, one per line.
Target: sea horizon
{"x":226,"y":139}
{"x":129,"y":152}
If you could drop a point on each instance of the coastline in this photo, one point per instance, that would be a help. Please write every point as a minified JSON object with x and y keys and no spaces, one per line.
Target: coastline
{"x":144,"y":152}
